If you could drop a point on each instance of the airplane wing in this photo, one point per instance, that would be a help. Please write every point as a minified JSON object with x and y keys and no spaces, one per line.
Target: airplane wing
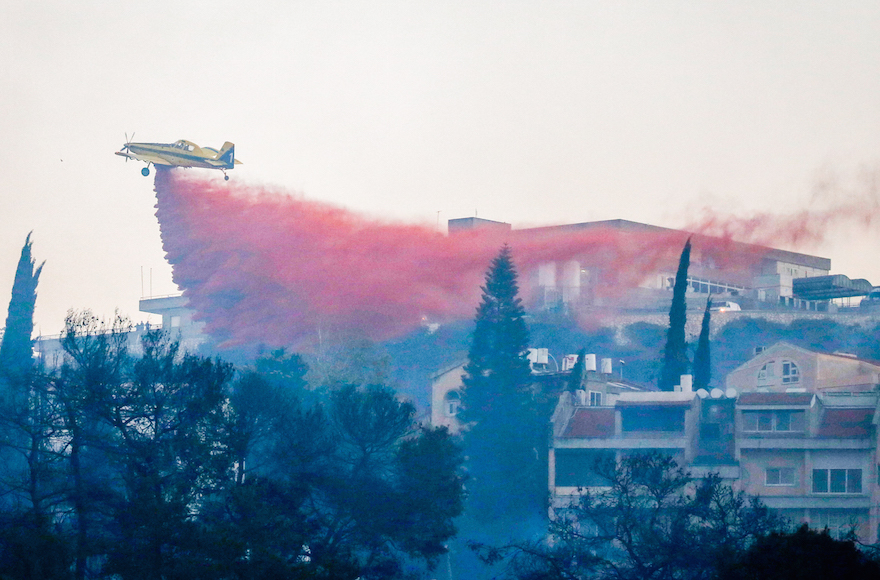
{"x":154,"y":159}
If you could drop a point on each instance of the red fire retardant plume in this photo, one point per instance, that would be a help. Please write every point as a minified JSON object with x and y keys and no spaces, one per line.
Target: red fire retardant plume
{"x":262,"y":266}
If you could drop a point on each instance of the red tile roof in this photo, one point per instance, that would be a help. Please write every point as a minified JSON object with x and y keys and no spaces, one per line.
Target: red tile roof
{"x":846,"y":423}
{"x":784,"y":399}
{"x":591,"y":422}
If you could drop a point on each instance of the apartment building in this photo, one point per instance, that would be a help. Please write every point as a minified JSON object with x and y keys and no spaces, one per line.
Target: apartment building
{"x":812,"y":457}
{"x":803,"y":436}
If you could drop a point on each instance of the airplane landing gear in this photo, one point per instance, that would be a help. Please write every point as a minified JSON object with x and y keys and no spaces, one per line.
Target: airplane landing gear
{"x":145,"y":171}
{"x":226,"y":177}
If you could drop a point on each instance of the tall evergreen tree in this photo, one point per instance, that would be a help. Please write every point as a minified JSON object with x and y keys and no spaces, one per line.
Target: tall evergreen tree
{"x":703,"y":354}
{"x":16,"y":349}
{"x":503,"y":427}
{"x":501,"y":337}
{"x":675,"y":360}
{"x":30,"y":464}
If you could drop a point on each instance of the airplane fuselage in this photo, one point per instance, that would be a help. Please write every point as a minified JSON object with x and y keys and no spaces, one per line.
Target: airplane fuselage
{"x":181,"y":153}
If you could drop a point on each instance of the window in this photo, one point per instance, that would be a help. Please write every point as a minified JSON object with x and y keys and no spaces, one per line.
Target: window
{"x":452,"y":403}
{"x":779,"y":476}
{"x":649,"y":418}
{"x":773,"y":421}
{"x":837,"y":481}
{"x":839,"y":522}
{"x":790,"y":373}
{"x":766,"y":374}
{"x":595,"y":399}
{"x":175,"y":321}
{"x":788,"y":421}
{"x":783,"y":421}
{"x":578,"y":467}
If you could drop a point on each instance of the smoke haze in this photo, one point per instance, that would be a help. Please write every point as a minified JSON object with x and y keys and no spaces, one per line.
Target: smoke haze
{"x":263,"y":266}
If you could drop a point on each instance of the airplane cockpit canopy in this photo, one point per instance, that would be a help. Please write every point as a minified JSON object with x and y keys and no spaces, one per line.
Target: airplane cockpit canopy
{"x":184,"y":145}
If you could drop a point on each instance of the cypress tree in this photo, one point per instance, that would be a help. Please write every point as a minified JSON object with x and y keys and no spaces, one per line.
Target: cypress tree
{"x":703,"y":354}
{"x":675,"y":360}
{"x":502,"y":425}
{"x":16,"y":349}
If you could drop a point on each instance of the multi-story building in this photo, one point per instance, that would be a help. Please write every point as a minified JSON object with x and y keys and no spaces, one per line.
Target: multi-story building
{"x":802,"y":437}
{"x":760,"y":276}
{"x":632,"y":422}
{"x":812,"y":457}
{"x":786,"y":367}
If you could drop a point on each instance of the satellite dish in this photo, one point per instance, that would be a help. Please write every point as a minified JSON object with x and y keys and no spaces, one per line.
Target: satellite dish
{"x":730,"y":393}
{"x":717,"y":393}
{"x":702,"y":393}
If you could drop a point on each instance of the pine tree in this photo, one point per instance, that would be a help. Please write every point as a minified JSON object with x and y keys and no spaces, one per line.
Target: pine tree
{"x":503,"y":427}
{"x":500,"y":338}
{"x":16,"y":349}
{"x":675,"y":360}
{"x":703,"y":354}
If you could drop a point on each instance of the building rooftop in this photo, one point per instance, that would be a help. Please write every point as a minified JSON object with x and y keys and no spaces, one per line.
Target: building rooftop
{"x":773,"y":399}
{"x":630,"y":226}
{"x":590,"y":422}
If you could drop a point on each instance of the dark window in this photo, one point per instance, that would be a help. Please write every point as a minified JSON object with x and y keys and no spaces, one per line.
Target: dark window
{"x":783,"y":421}
{"x":790,"y":373}
{"x":452,"y":403}
{"x":667,"y":419}
{"x":766,"y":421}
{"x":577,"y":467}
{"x":766,"y":374}
{"x":820,"y":481}
{"x":837,"y":481}
{"x":779,"y":476}
{"x":854,"y":481}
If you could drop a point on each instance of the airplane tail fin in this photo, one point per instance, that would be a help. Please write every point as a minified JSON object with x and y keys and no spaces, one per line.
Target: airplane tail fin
{"x":227,"y":154}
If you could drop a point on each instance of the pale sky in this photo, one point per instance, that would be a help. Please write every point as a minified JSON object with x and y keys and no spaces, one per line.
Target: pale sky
{"x":525,"y":112}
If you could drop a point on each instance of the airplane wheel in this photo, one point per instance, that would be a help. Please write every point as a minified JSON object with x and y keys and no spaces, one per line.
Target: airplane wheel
{"x":226,"y":177}
{"x":145,"y":171}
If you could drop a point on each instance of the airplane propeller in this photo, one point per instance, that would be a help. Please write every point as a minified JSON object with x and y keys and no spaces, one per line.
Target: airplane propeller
{"x":127,"y":143}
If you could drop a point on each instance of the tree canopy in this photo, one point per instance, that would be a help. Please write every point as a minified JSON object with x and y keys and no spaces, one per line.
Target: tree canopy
{"x":651,"y":520}
{"x":147,"y":462}
{"x":803,"y":554}
{"x":503,"y":426}
{"x":703,"y":354}
{"x":16,"y":351}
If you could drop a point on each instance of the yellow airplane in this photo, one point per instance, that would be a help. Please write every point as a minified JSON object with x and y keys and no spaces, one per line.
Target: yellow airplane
{"x":181,"y":154}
